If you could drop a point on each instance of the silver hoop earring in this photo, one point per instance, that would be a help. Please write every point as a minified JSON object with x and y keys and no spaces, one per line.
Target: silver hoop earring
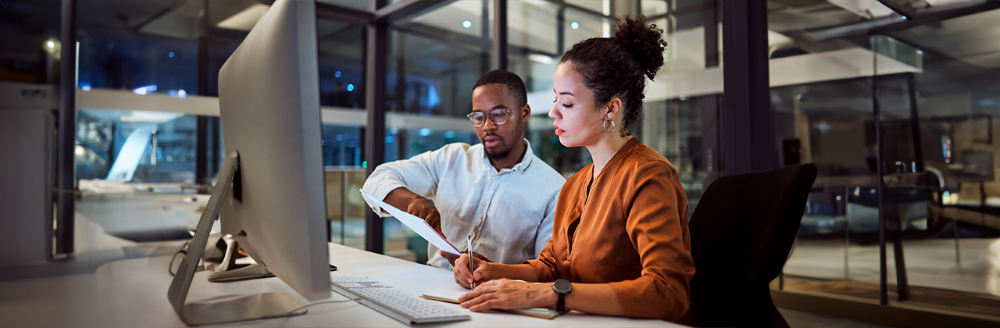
{"x":605,"y":126}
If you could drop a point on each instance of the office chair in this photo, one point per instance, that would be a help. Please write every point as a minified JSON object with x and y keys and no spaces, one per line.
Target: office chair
{"x":741,"y":234}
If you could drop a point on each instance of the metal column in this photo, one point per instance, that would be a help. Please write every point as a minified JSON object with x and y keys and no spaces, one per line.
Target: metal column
{"x":67,"y":131}
{"x":747,"y":124}
{"x":881,"y":189}
{"x":498,"y":56}
{"x":375,"y":76}
{"x":201,"y":139}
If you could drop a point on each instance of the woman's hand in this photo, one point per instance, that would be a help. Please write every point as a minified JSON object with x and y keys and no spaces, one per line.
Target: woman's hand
{"x":506,"y":294}
{"x":452,"y":257}
{"x":465,"y":278}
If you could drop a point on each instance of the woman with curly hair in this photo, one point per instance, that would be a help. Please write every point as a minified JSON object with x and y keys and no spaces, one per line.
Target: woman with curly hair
{"x":620,"y":244}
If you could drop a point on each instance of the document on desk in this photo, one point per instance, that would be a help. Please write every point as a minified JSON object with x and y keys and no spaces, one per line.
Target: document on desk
{"x":416,"y":224}
{"x":450,"y":294}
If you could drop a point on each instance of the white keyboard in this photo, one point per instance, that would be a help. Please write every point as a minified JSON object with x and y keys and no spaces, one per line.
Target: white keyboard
{"x":392,"y":302}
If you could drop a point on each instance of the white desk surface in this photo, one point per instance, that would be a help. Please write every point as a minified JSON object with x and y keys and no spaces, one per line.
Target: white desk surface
{"x":133,"y":293}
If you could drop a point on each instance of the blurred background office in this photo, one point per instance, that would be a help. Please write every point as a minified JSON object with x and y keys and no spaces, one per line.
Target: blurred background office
{"x":898,"y":91}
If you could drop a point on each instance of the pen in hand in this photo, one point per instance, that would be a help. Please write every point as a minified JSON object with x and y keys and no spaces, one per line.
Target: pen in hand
{"x":471,"y":266}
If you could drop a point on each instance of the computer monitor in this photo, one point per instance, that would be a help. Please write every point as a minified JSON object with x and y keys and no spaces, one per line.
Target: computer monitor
{"x":270,"y":189}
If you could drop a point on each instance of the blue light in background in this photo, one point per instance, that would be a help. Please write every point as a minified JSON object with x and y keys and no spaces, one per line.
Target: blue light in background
{"x":178,"y":94}
{"x":170,"y":54}
{"x":389,"y":139}
{"x":467,"y":24}
{"x":425,"y":132}
{"x":433,"y":100}
{"x":574,"y":25}
{"x":449,"y":134}
{"x":336,"y":74}
{"x":350,"y":87}
{"x":84,"y":85}
{"x":145,"y":89}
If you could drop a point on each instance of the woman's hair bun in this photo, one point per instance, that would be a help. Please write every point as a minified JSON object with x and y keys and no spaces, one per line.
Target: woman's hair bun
{"x":644,"y":42}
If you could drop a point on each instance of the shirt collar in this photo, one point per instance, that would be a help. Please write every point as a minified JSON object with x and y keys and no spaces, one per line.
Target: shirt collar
{"x":520,"y":166}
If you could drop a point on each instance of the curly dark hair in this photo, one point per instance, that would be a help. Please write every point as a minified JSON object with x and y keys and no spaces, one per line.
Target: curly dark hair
{"x":614,"y":67}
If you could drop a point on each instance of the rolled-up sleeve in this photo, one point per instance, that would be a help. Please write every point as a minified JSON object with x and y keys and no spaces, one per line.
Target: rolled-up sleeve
{"x":419,"y":174}
{"x":544,"y":266}
{"x":656,"y":231}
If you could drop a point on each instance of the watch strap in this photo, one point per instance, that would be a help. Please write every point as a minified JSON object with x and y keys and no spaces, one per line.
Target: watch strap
{"x":561,"y":304}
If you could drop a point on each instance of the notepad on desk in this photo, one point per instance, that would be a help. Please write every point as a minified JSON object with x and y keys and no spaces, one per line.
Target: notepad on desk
{"x":450,"y":294}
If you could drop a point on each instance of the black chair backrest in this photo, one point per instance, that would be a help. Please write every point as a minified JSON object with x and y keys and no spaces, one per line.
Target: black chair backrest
{"x":741,"y":233}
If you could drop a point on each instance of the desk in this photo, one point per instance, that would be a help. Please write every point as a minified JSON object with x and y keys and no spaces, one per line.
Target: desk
{"x":133,"y":293}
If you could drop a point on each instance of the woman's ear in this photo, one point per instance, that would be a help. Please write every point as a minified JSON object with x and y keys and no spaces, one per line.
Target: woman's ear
{"x":614,"y":108}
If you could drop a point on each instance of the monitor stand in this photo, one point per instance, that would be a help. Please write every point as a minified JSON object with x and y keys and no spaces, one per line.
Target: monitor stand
{"x":252,"y":271}
{"x":249,"y":307}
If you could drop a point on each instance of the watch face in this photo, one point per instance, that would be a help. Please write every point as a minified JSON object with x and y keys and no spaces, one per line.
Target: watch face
{"x":562,"y":286}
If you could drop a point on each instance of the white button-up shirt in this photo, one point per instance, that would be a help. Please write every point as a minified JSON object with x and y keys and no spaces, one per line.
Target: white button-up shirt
{"x":508,"y":213}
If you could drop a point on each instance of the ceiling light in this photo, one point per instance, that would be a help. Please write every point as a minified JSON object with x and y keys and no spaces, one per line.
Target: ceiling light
{"x":151,"y":117}
{"x":467,"y":24}
{"x":541,"y":59}
{"x":246,"y":19}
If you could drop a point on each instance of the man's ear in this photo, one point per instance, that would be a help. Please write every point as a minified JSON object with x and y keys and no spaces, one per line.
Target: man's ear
{"x":525,"y":112}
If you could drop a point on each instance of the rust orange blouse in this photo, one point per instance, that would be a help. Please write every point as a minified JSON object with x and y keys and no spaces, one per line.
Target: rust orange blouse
{"x":628,"y":229}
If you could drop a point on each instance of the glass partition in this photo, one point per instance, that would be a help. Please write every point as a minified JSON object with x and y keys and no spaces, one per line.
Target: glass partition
{"x":341,"y":66}
{"x":29,"y":41}
{"x":434,"y":59}
{"x":940,"y":161}
{"x":936,"y":96}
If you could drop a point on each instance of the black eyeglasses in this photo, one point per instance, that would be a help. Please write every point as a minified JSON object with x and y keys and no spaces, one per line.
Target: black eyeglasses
{"x":498,"y":117}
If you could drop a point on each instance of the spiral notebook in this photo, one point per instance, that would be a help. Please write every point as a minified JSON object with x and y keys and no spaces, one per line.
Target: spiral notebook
{"x":450,"y":294}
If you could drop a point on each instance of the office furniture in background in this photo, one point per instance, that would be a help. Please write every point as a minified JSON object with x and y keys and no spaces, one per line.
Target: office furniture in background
{"x":741,"y":234}
{"x":26,"y":123}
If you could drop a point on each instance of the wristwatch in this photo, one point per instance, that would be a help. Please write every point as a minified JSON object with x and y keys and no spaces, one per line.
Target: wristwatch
{"x":562,"y":287}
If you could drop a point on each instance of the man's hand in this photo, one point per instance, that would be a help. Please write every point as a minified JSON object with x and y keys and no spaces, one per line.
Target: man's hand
{"x":424,"y":209}
{"x":452,"y":257}
{"x":416,"y":205}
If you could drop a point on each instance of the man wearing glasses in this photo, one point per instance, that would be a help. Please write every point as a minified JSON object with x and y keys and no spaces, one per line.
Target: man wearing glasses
{"x":498,"y":192}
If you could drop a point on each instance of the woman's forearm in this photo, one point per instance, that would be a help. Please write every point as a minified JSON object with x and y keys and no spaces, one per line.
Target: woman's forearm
{"x":508,"y":294}
{"x":512,"y":271}
{"x":593,"y":299}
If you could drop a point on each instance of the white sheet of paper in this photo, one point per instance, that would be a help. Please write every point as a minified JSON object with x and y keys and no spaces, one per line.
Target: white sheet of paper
{"x":450,"y":293}
{"x":416,"y":224}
